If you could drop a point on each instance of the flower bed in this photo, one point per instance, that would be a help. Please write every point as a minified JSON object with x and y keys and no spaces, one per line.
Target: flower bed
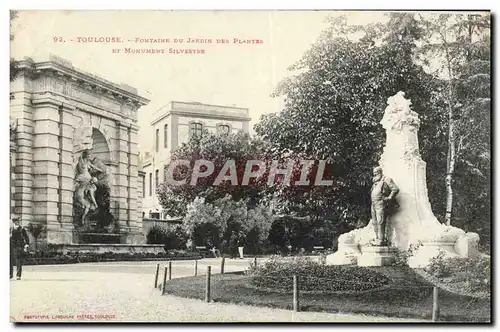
{"x":277,"y":273}
{"x":76,"y":257}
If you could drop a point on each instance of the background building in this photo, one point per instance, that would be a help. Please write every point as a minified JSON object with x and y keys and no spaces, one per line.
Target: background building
{"x":172,"y":125}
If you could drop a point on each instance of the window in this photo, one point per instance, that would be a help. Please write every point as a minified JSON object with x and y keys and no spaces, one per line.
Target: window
{"x":223,"y":129}
{"x":154,"y":215}
{"x":195,"y":129}
{"x":150,"y":184}
{"x":165,"y":136}
{"x":143,"y":186}
{"x":157,"y":178}
{"x":157,"y":140}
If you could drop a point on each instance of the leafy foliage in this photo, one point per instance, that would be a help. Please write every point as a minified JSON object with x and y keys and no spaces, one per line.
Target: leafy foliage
{"x":13,"y":63}
{"x":215,"y":223}
{"x":463,"y":43}
{"x":333,"y":105}
{"x":171,"y":238}
{"x":402,"y":256}
{"x":474,"y":272}
{"x":217,"y":148}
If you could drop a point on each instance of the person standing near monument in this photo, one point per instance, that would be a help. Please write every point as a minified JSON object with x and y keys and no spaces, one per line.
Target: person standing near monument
{"x":383,"y":194}
{"x":19,"y":244}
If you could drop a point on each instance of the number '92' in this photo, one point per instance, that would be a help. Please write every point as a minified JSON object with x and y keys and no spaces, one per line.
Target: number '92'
{"x":58,"y":39}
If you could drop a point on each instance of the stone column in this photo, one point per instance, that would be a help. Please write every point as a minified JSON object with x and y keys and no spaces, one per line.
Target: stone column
{"x":140,"y":196}
{"x":53,"y":177}
{"x":136,"y":235}
{"x":66,"y":171}
{"x":12,"y":163}
{"x":121,"y":179}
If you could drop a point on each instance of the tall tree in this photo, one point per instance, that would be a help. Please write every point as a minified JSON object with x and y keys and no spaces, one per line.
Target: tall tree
{"x":218,"y":149}
{"x":462,"y":42}
{"x":335,"y":101}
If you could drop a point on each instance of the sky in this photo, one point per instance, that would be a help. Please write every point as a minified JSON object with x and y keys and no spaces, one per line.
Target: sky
{"x":242,"y":75}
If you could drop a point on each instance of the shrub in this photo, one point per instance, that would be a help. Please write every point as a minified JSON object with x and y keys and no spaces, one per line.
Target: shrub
{"x":277,"y":274}
{"x":156,"y":235}
{"x":401,"y":258}
{"x":475,"y":272}
{"x":175,"y":239}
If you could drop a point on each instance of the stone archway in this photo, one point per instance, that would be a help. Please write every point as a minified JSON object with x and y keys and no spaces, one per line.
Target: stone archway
{"x":100,"y":146}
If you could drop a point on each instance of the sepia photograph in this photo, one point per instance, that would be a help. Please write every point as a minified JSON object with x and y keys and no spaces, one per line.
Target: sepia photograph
{"x":250,"y":166}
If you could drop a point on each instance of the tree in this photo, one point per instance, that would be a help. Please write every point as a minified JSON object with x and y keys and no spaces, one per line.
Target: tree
{"x":463,"y":42}
{"x":216,"y":148}
{"x":13,"y":64}
{"x":333,"y":106}
{"x":217,"y":221}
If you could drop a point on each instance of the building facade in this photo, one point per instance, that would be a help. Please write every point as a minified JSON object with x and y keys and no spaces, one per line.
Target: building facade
{"x":58,"y":111}
{"x":173,"y":125}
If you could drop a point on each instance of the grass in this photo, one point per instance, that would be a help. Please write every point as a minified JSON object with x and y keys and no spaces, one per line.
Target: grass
{"x":407,"y":296}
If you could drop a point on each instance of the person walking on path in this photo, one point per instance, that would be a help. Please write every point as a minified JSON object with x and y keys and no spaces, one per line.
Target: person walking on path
{"x":19,"y":243}
{"x":241,"y":244}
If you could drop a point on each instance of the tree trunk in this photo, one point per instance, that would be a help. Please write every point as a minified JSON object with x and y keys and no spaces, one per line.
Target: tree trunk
{"x":450,"y":168}
{"x":451,"y":159}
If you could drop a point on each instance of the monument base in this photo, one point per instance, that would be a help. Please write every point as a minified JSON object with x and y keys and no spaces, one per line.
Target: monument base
{"x":346,"y":255}
{"x":377,"y":256}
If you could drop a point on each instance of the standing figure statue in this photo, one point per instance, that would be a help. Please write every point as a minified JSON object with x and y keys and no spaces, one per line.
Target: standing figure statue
{"x":383,"y":194}
{"x":85,"y":184}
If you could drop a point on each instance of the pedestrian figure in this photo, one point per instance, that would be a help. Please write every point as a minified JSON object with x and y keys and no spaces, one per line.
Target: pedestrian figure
{"x":19,"y":243}
{"x":241,"y":244}
{"x":233,"y":245}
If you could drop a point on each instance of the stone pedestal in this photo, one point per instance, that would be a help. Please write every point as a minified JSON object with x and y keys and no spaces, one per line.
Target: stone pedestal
{"x":377,"y":256}
{"x":413,"y":223}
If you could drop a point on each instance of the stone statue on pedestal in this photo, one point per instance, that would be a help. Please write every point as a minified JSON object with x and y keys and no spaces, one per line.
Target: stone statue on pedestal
{"x":413,"y":223}
{"x":383,"y":194}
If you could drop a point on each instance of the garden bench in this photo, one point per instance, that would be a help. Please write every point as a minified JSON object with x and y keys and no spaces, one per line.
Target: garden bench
{"x":204,"y":251}
{"x":318,"y":249}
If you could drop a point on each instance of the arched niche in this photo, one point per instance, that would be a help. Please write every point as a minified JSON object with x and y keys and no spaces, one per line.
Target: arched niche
{"x":100,"y":146}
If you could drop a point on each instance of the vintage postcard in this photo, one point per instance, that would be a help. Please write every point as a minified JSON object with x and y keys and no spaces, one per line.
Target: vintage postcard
{"x":250,"y":166}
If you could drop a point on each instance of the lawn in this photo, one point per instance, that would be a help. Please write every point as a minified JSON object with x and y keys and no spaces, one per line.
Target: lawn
{"x":408,"y":295}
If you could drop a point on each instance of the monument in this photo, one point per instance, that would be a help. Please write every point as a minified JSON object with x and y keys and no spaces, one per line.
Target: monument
{"x":76,"y":158}
{"x":412,"y":223}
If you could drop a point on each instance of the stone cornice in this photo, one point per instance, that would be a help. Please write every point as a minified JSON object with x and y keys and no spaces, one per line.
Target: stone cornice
{"x":72,"y":104}
{"x":88,"y":81}
{"x":201,"y":115}
{"x":200,"y":110}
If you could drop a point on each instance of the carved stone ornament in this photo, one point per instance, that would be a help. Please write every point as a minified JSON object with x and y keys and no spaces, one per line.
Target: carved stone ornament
{"x":398,"y":113}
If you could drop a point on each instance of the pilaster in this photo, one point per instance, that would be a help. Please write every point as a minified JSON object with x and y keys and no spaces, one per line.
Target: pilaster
{"x":21,"y":111}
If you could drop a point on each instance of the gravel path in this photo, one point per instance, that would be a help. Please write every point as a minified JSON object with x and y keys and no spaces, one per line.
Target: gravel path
{"x":123,"y":292}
